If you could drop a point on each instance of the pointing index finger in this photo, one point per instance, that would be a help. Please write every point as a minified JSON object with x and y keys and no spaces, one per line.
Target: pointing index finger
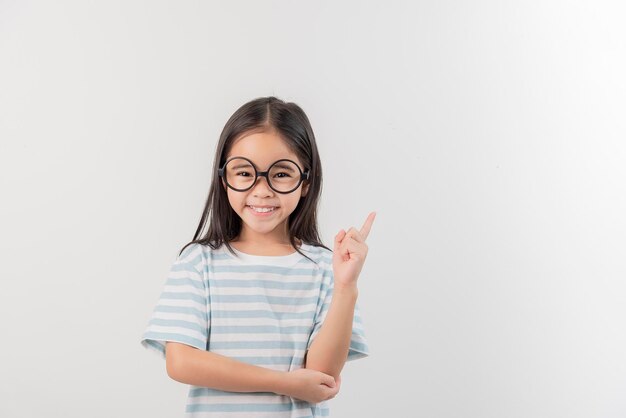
{"x":365,"y":229}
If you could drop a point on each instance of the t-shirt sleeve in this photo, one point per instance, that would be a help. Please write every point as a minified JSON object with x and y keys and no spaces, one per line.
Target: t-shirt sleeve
{"x":358,"y":343}
{"x":182,"y":311}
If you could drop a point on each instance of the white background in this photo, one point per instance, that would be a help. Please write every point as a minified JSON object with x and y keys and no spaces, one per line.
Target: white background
{"x":488,"y":135}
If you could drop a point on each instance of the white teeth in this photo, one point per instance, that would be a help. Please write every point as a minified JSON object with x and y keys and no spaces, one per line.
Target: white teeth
{"x":261,"y":209}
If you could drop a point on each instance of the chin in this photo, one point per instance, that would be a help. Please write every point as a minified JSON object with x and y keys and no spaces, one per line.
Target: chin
{"x":263,"y":226}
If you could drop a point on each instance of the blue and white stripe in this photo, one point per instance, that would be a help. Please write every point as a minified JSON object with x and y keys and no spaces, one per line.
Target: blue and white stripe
{"x":259,"y":310}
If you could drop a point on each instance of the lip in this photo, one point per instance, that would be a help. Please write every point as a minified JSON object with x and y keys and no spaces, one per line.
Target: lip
{"x":262,"y":214}
{"x":264,"y":206}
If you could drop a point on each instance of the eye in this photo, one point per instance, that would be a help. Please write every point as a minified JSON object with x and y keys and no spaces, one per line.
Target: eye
{"x":245,"y":173}
{"x":284,"y":174}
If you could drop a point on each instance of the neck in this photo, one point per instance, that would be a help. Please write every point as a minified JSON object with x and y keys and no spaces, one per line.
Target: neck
{"x":263,"y":245}
{"x":273,"y":239}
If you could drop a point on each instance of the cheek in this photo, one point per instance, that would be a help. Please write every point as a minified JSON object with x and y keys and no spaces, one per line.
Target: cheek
{"x":292,"y":202}
{"x":235,"y":199}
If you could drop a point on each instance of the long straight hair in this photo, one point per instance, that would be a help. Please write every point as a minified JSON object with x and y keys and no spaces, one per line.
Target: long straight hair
{"x":290,"y":121}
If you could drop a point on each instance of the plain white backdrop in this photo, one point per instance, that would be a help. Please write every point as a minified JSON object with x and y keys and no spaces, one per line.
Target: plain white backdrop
{"x":489,"y":136}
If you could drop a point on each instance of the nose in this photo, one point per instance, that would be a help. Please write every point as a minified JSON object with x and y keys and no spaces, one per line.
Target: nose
{"x":264,"y":190}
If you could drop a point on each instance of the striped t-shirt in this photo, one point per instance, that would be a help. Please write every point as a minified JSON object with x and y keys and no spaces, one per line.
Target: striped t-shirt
{"x":261,"y":310}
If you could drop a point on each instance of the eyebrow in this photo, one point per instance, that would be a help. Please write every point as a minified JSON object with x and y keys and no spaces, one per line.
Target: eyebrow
{"x":238,"y":166}
{"x":285,"y":166}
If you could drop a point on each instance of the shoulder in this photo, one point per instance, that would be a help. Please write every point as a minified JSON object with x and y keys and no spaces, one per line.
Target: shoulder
{"x":321,"y":256}
{"x":196,"y":255}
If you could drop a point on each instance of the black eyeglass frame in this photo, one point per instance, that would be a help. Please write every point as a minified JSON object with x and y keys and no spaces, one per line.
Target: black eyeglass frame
{"x":303,"y":176}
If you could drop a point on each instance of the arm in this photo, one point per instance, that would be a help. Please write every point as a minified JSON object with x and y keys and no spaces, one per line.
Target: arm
{"x":329,"y":350}
{"x":190,"y":365}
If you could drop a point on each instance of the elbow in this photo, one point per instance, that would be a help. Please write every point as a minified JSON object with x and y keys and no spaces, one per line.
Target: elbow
{"x":170,"y":368}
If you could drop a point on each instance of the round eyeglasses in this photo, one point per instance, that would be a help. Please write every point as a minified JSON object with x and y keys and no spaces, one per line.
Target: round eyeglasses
{"x":283,"y":176}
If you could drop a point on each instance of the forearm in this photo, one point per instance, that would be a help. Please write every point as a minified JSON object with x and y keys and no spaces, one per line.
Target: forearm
{"x":189,"y":365}
{"x":329,"y":349}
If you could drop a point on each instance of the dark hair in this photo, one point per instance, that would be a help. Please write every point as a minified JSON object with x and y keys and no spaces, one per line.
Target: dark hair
{"x":290,"y":121}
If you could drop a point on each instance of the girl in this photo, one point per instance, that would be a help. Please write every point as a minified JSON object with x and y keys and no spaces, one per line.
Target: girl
{"x":255,"y":328}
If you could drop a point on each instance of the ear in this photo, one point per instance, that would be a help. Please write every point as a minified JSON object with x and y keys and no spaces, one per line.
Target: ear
{"x":305,"y":189}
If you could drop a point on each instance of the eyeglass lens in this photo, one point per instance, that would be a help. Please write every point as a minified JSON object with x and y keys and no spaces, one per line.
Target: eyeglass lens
{"x":283,"y":176}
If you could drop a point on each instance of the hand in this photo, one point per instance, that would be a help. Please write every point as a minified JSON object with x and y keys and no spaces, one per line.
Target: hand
{"x":349,"y":253}
{"x":311,"y":385}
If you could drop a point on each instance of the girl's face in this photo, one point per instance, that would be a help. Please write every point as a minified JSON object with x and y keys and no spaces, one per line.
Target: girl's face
{"x":263,"y":149}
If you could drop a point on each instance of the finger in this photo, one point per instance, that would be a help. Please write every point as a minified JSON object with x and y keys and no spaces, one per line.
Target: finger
{"x":328,"y":380}
{"x":338,"y":238}
{"x":332,"y":392}
{"x":352,"y":249}
{"x":365,"y":229}
{"x":354,"y":233}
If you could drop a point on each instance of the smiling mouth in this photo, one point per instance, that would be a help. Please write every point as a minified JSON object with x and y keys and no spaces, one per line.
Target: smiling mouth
{"x":265,"y":209}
